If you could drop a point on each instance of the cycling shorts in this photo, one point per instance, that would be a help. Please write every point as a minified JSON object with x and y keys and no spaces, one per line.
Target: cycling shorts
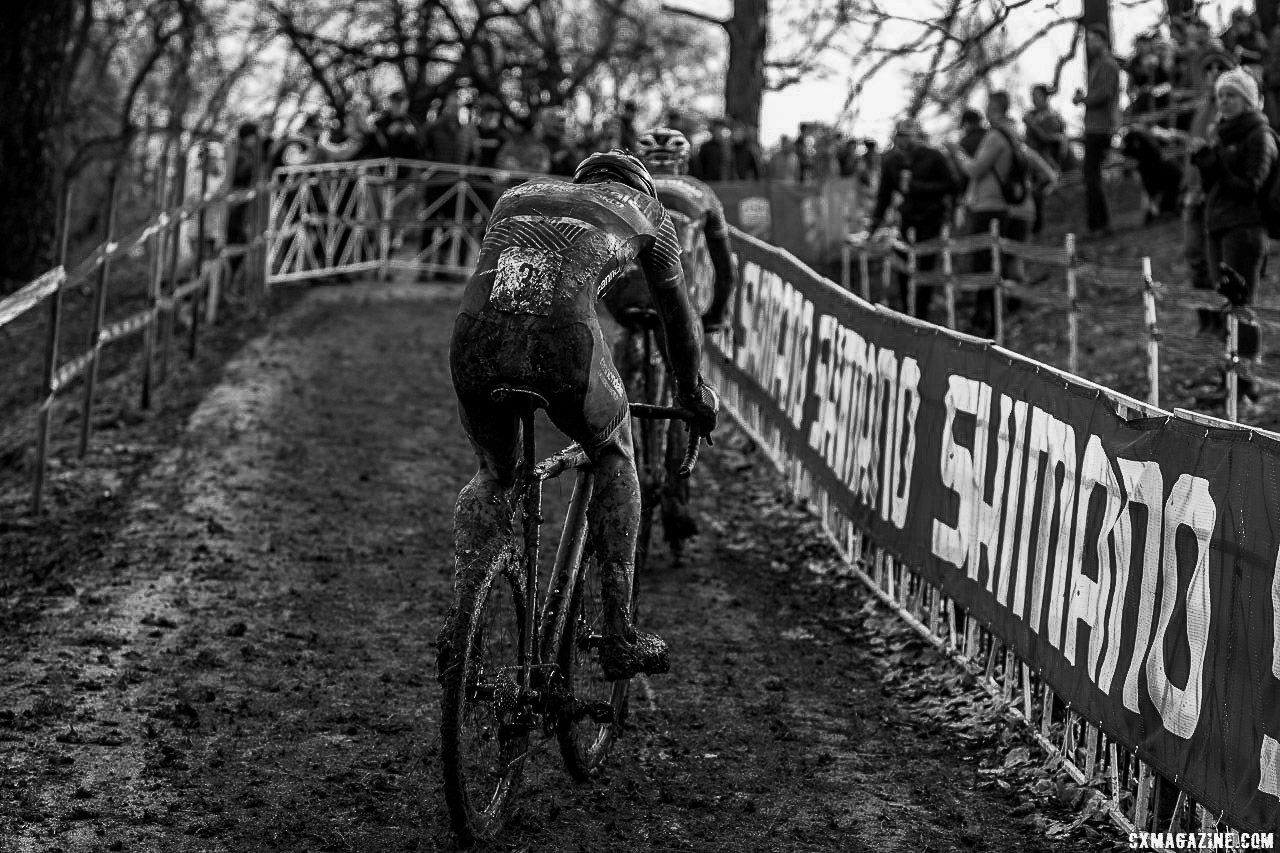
{"x":569,"y":365}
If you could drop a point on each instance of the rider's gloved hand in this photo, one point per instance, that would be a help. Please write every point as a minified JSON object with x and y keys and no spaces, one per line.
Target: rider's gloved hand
{"x":704,"y":404}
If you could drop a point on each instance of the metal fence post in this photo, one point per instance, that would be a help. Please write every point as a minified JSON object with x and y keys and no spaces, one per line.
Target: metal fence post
{"x":1073,"y":317}
{"x":50,"y":361}
{"x":1153,"y":333}
{"x":99,"y":315}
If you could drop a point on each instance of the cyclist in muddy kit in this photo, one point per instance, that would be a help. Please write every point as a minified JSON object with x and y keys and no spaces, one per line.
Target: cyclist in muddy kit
{"x":528,"y":320}
{"x":693,"y":208}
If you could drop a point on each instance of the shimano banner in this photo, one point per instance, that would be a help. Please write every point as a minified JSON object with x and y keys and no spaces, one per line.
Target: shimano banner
{"x":1135,"y":563}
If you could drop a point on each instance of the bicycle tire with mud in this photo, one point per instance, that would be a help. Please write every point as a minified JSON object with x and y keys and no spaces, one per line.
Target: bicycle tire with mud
{"x":483,"y":749}
{"x":585,"y":743}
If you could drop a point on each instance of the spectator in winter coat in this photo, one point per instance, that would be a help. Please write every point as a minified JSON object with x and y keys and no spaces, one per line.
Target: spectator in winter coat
{"x":1234,"y":167}
{"x":989,"y":172}
{"x":1046,"y":130}
{"x":1101,"y":100}
{"x":395,"y":133}
{"x":1195,"y":237}
{"x":925,"y":183}
{"x":1244,"y":40}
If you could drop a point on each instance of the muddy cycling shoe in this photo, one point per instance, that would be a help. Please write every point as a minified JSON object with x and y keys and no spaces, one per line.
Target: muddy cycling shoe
{"x":621,"y":660}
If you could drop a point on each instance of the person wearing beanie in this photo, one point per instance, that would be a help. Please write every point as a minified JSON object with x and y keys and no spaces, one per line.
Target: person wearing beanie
{"x":1101,"y":101}
{"x":1195,"y":237}
{"x":1234,"y":167}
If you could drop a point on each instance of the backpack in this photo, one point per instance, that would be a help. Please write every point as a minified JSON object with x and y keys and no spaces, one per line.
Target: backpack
{"x":1015,"y":188}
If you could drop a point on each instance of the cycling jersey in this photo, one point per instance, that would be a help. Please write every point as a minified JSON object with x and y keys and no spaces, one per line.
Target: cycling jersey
{"x":694,"y":210}
{"x":528,"y":315}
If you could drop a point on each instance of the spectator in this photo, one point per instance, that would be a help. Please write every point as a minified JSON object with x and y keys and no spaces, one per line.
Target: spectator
{"x":748,"y":162}
{"x":1150,"y":80}
{"x":926,"y":183}
{"x":1244,"y":40}
{"x":972,"y":128}
{"x":989,"y":172}
{"x":491,"y":133}
{"x":870,"y":163}
{"x":1101,"y":102}
{"x":565,"y":151}
{"x":847,"y":157}
{"x":1046,"y":132}
{"x":783,"y":165}
{"x":1215,"y":62}
{"x":524,"y":150}
{"x":246,"y":170}
{"x":447,"y":140}
{"x":1234,"y":167}
{"x":714,"y":161}
{"x":609,"y":137}
{"x":394,"y":132}
{"x":627,"y":121}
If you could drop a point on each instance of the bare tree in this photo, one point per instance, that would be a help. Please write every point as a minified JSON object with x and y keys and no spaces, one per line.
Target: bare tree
{"x":33,"y":62}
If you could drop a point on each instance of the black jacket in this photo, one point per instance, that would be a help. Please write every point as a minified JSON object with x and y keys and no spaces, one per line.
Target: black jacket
{"x":1234,"y":170}
{"x":935,"y":182}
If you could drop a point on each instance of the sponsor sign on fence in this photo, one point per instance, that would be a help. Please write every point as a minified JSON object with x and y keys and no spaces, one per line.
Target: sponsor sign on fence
{"x":1135,"y":563}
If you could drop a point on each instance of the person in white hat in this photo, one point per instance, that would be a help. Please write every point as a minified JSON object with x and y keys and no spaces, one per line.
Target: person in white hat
{"x":1235,"y":165}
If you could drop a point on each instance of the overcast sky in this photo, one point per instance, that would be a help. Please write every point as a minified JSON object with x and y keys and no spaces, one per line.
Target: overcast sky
{"x":820,"y":100}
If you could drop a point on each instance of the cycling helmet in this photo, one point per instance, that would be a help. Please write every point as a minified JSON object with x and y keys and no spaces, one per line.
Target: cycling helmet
{"x":615,"y":165}
{"x":663,"y":146}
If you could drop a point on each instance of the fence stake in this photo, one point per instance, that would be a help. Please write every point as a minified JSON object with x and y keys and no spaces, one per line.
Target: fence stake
{"x":156,"y":273}
{"x":886,"y":272}
{"x":1153,"y":333}
{"x":197,"y":308}
{"x":912,"y":265}
{"x":177,"y":191}
{"x":948,"y":274}
{"x":99,"y":315}
{"x":997,"y":281}
{"x":1073,"y":317}
{"x":846,"y":265}
{"x":50,"y":361}
{"x":864,"y":273}
{"x":1142,"y":802}
{"x":384,"y":235}
{"x":1233,"y":365}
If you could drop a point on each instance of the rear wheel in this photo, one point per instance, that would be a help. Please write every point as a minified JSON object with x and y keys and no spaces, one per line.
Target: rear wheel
{"x":588,"y":729}
{"x":484,"y":731}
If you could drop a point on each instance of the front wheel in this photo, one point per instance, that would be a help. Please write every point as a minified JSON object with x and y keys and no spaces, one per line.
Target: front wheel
{"x":484,"y":733}
{"x":587,"y":730}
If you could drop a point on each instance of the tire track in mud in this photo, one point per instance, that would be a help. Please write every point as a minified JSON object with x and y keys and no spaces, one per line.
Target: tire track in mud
{"x":250,"y":664}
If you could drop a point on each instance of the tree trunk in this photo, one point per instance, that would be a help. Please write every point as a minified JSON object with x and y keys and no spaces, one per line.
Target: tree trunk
{"x":1097,"y":12}
{"x":748,"y":38}
{"x":33,"y":44}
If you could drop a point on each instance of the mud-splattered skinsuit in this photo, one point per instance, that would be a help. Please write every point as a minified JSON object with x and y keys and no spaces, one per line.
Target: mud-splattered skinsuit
{"x":528,"y":319}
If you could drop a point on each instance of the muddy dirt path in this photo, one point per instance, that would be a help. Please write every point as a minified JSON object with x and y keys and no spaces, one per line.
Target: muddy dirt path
{"x":244,"y":660}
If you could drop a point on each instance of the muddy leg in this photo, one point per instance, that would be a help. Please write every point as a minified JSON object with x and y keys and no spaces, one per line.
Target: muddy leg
{"x":614,"y":521}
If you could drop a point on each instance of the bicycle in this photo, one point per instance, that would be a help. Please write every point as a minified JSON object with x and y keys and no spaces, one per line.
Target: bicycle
{"x":510,"y":668}
{"x":658,"y":446}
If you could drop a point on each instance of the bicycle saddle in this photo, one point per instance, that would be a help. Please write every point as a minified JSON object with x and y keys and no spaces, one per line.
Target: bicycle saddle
{"x":525,"y":398}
